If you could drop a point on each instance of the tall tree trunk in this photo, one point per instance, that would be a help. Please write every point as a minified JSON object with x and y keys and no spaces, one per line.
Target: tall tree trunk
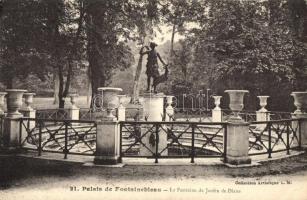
{"x":89,"y":88}
{"x":136,"y":89}
{"x":147,"y":37}
{"x":56,"y":84}
{"x":61,"y":85}
{"x":171,"y":53}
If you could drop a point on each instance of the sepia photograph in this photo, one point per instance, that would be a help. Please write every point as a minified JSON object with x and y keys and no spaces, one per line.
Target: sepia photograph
{"x":153,"y":99}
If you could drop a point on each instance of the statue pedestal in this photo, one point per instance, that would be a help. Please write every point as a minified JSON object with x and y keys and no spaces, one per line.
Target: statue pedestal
{"x":153,"y":112}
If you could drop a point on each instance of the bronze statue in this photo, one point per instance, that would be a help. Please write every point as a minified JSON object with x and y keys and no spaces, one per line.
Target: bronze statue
{"x":152,"y":67}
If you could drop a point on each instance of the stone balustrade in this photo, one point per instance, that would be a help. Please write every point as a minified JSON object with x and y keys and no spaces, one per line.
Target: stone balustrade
{"x":108,"y":132}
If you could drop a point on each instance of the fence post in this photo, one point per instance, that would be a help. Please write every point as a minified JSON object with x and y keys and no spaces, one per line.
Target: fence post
{"x":153,"y":109}
{"x":237,"y":131}
{"x":302,"y":127}
{"x":107,"y":142}
{"x":74,"y":111}
{"x":237,"y":143}
{"x":11,"y":124}
{"x":169,"y":110}
{"x":28,"y":111}
{"x":108,"y":139}
{"x":262,"y":114}
{"x":217,"y":111}
{"x":303,"y":131}
{"x":121,"y":110}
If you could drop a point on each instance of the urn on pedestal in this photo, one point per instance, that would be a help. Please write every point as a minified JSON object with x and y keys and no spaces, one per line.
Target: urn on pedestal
{"x":217,"y":102}
{"x":110,"y":99}
{"x":14,"y":102}
{"x":263,"y":102}
{"x":73,"y":100}
{"x":300,"y":101}
{"x":236,"y":105}
{"x":2,"y":94}
{"x":28,"y":100}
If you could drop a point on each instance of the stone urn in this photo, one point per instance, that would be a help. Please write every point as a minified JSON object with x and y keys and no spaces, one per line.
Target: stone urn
{"x":217,"y":102}
{"x":2,"y":94}
{"x":169,"y":101}
{"x":300,"y":101}
{"x":73,"y":100}
{"x":236,"y":105}
{"x":28,"y":100}
{"x":122,"y":100}
{"x":110,"y":99}
{"x":263,"y":102}
{"x":169,"y":108}
{"x":14,"y":102}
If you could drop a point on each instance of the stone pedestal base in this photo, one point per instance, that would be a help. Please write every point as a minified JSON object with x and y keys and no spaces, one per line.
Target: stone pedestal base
{"x":146,"y":140}
{"x":153,"y":111}
{"x":238,"y":160}
{"x":153,"y":107}
{"x":30,"y":113}
{"x":107,"y":160}
{"x":303,"y":127}
{"x":237,"y":143}
{"x":11,"y":132}
{"x":121,"y":113}
{"x":216,"y":115}
{"x":107,"y":142}
{"x":262,"y":116}
{"x":74,"y":113}
{"x":304,"y":133}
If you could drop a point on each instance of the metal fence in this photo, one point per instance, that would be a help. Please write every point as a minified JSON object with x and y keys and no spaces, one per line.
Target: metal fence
{"x":182,"y":139}
{"x":269,"y":137}
{"x":67,"y":136}
{"x":191,"y":115}
{"x":86,"y":114}
{"x":52,"y":114}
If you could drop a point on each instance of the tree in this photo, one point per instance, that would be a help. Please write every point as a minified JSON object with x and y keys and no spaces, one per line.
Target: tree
{"x":145,"y":23}
{"x":65,"y":30}
{"x":107,"y":29}
{"x":20,"y":57}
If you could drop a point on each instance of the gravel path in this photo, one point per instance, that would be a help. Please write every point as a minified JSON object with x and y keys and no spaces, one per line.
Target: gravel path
{"x":279,"y":179}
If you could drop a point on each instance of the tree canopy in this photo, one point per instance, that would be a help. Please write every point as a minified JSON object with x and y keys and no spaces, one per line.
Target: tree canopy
{"x":256,"y":45}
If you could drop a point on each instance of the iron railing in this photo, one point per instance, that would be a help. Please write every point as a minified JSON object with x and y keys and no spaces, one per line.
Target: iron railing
{"x":173,"y":139}
{"x":86,"y":114}
{"x":247,"y":116}
{"x":191,"y":115}
{"x":67,"y":136}
{"x":269,"y":137}
{"x":55,"y":114}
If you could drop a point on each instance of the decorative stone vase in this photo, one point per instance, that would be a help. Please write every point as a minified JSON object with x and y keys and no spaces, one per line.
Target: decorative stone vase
{"x":2,"y":94}
{"x":263,"y":103}
{"x":300,"y":101}
{"x":122,"y":100}
{"x":169,"y":110}
{"x":14,"y":101}
{"x":110,"y":100}
{"x":236,"y":105}
{"x":169,"y":101}
{"x":28,"y":100}
{"x":217,"y":102}
{"x":73,"y":100}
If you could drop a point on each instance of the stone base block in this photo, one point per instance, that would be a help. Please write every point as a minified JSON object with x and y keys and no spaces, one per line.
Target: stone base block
{"x":107,"y":160}
{"x":216,"y":115}
{"x":238,"y":160}
{"x":11,"y":131}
